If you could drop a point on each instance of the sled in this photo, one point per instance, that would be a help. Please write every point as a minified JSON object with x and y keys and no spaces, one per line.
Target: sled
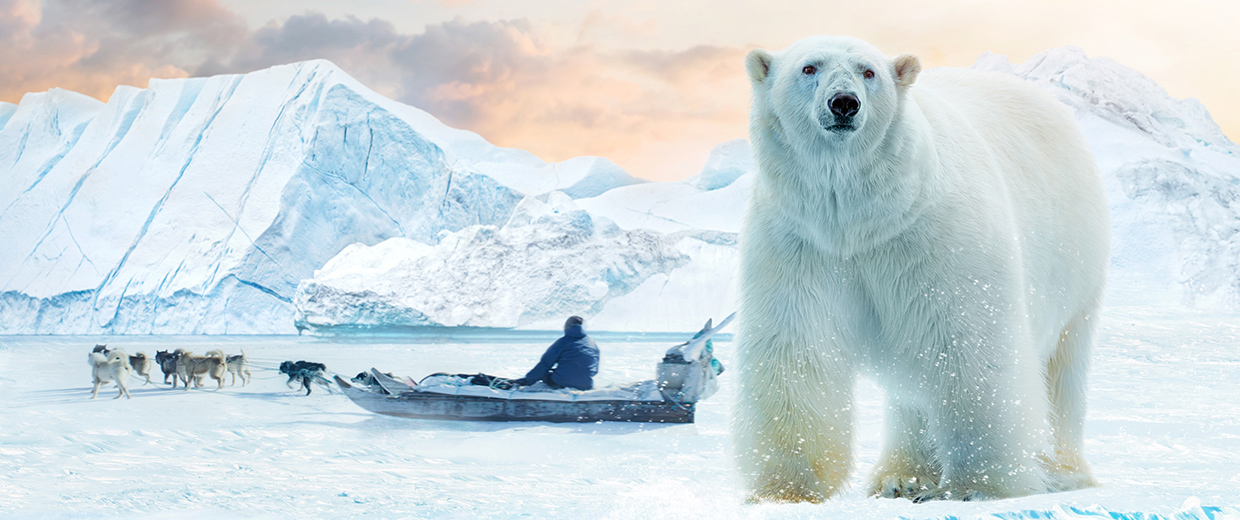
{"x":685,"y":376}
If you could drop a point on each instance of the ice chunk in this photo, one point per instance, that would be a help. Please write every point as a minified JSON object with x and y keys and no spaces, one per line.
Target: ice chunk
{"x":550,"y":260}
{"x":727,"y":162}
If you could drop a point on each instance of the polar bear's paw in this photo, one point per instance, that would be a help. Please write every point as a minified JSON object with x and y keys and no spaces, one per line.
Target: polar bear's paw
{"x":776,"y":490}
{"x":895,"y":485}
{"x":962,"y":493}
{"x":1067,"y":473}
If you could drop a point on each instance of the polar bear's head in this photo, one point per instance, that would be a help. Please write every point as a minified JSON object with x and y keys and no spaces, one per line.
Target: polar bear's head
{"x":828,"y":90}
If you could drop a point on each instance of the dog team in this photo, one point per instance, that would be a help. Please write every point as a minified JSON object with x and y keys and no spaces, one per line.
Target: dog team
{"x":182,"y":365}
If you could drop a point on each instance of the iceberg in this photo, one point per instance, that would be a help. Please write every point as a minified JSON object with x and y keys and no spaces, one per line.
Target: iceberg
{"x":6,"y":113}
{"x":1172,"y":178}
{"x":198,"y":205}
{"x":551,"y":259}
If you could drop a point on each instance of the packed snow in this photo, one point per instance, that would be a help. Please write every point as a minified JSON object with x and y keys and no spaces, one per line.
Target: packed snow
{"x":1162,"y":436}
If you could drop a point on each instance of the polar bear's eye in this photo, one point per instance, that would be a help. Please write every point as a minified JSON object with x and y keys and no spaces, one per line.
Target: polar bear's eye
{"x":869,"y":74}
{"x":809,"y":69}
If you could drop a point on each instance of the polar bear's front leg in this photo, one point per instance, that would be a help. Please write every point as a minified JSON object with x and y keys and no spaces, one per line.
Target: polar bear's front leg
{"x":907,"y":467}
{"x":793,"y":422}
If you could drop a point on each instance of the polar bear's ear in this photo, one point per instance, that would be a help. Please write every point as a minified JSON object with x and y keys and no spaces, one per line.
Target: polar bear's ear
{"x":907,"y":67}
{"x":758,"y":65}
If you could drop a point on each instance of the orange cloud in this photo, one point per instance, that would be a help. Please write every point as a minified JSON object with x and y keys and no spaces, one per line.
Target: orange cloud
{"x":578,"y":81}
{"x":656,"y":113}
{"x":91,"y":47}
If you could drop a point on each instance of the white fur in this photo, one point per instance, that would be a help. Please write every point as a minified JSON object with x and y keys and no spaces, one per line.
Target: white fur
{"x":953,"y":247}
{"x":113,"y":367}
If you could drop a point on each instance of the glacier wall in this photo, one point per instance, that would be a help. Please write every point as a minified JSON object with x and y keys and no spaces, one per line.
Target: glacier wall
{"x":196,"y":206}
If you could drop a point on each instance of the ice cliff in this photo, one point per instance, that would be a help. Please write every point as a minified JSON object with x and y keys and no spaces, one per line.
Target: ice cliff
{"x":249,"y":203}
{"x":198,"y":205}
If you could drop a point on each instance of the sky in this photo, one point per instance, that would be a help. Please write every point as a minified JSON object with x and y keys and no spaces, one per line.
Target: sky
{"x":651,"y":85}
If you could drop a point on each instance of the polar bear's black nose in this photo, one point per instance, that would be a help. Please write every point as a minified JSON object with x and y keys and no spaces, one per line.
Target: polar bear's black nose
{"x":844,"y":105}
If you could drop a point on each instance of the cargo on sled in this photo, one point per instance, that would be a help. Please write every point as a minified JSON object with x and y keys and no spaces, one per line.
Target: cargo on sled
{"x":685,"y":376}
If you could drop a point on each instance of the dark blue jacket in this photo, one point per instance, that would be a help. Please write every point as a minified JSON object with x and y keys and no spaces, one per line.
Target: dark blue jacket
{"x":571,"y":361}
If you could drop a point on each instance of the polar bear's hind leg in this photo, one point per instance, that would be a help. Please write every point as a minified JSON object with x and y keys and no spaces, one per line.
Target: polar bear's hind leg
{"x":1065,"y":380}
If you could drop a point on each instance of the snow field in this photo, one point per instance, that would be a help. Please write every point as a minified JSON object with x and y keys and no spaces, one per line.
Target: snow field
{"x":1163,"y":437}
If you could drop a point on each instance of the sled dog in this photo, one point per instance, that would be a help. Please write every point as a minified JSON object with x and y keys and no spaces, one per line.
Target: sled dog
{"x":190,"y":366}
{"x":239,"y":366}
{"x":304,"y":372}
{"x":113,"y":367}
{"x":168,"y":364}
{"x":141,"y":365}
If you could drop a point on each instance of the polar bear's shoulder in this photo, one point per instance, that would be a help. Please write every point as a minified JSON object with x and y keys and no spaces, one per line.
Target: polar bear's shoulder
{"x":986,"y":95}
{"x":949,"y":77}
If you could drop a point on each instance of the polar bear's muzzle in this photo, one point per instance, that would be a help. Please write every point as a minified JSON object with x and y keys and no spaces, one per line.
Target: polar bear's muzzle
{"x":841,"y":108}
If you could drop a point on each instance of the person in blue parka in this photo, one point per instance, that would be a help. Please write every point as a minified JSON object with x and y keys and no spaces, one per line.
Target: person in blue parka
{"x":572,"y":361}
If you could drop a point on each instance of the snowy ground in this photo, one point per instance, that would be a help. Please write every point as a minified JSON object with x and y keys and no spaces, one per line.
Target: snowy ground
{"x":1163,"y":437}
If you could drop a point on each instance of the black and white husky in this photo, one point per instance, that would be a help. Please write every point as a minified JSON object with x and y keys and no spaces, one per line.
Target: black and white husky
{"x":305,"y":372}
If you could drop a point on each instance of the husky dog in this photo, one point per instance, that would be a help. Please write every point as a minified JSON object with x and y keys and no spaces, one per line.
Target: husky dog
{"x":141,"y":365}
{"x":138,"y":362}
{"x":168,"y":364}
{"x":239,"y":366}
{"x":304,"y":372}
{"x":111,"y":367}
{"x":190,"y":366}
{"x":368,"y":380}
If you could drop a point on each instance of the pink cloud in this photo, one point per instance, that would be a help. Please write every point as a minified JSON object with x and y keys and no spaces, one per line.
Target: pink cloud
{"x":501,"y":79}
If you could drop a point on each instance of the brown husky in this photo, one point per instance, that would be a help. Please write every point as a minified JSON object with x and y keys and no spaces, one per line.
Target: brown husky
{"x":142,"y":365}
{"x":190,"y":366}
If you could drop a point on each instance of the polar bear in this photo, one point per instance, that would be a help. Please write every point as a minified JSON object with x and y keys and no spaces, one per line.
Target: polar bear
{"x":945,"y":234}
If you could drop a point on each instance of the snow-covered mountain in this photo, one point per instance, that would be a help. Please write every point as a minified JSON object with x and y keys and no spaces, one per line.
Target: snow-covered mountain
{"x":200,"y":205}
{"x":1172,"y":178}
